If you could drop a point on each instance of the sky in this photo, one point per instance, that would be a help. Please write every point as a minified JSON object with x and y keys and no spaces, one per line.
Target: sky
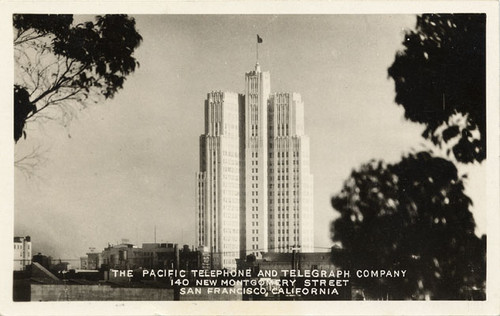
{"x":127,"y":165}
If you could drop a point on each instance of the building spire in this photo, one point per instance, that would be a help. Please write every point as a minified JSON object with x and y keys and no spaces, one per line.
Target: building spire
{"x":257,"y":67}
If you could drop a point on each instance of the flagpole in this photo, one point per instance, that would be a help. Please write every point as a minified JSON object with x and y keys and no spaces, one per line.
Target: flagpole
{"x":257,"y":46}
{"x":259,"y":40}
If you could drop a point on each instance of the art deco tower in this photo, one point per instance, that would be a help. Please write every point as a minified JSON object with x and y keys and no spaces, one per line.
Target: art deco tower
{"x":255,"y":189}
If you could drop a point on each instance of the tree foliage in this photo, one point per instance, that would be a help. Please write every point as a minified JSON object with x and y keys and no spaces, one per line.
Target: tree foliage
{"x":440,"y":80}
{"x":59,"y":63}
{"x":411,"y":215}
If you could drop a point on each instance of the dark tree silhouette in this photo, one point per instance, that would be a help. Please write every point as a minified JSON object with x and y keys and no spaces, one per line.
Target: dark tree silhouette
{"x":440,"y":80}
{"x":411,"y":215}
{"x":59,"y":64}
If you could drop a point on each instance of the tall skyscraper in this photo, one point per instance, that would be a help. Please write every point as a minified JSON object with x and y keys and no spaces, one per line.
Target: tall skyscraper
{"x":255,"y":189}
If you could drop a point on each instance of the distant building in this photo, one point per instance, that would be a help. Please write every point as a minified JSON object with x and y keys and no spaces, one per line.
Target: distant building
{"x":84,"y":263}
{"x":301,"y":263}
{"x":45,"y":261}
{"x":292,"y":261}
{"x":122,"y":256}
{"x":94,"y":260}
{"x":157,"y":255}
{"x":150,"y":255}
{"x":22,"y":253}
{"x":61,"y":266}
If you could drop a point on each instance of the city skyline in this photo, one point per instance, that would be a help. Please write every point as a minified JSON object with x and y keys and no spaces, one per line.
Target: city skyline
{"x":124,"y":166}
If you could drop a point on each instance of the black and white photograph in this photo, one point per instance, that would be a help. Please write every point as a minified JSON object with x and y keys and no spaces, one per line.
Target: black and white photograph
{"x":299,"y":158}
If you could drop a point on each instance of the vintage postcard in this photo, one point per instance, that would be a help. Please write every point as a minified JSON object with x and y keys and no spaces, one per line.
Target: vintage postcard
{"x":276,"y":158}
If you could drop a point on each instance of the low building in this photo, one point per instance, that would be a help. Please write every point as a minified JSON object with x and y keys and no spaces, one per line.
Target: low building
{"x":149,"y":256}
{"x":84,"y":263}
{"x":122,"y":256}
{"x":22,"y":253}
{"x":61,"y":266}
{"x":285,"y":272}
{"x":45,"y":261}
{"x":157,"y":255}
{"x":94,"y":260}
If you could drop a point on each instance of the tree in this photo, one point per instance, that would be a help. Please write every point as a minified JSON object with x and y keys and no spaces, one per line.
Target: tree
{"x":411,"y":215}
{"x":59,"y":65}
{"x":440,"y":80}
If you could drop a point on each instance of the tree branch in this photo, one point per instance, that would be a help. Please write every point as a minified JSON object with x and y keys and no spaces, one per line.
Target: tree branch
{"x":28,"y":163}
{"x":27,"y":38}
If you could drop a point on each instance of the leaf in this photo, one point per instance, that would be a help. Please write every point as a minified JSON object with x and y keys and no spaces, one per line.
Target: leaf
{"x":428,"y":228}
{"x":104,"y":49}
{"x":441,"y":71}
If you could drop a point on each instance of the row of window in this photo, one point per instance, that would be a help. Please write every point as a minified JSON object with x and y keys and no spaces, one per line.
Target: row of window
{"x":284,"y":224}
{"x":280,"y":154}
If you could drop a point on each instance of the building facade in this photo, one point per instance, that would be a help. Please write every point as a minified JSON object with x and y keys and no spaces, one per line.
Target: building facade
{"x":301,"y":263}
{"x":254,"y":216}
{"x":254,"y":186}
{"x":218,"y":182}
{"x":290,"y":198}
{"x":148,"y":256}
{"x":84,"y":263}
{"x":44,"y":261}
{"x":22,"y":253}
{"x":94,"y":260}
